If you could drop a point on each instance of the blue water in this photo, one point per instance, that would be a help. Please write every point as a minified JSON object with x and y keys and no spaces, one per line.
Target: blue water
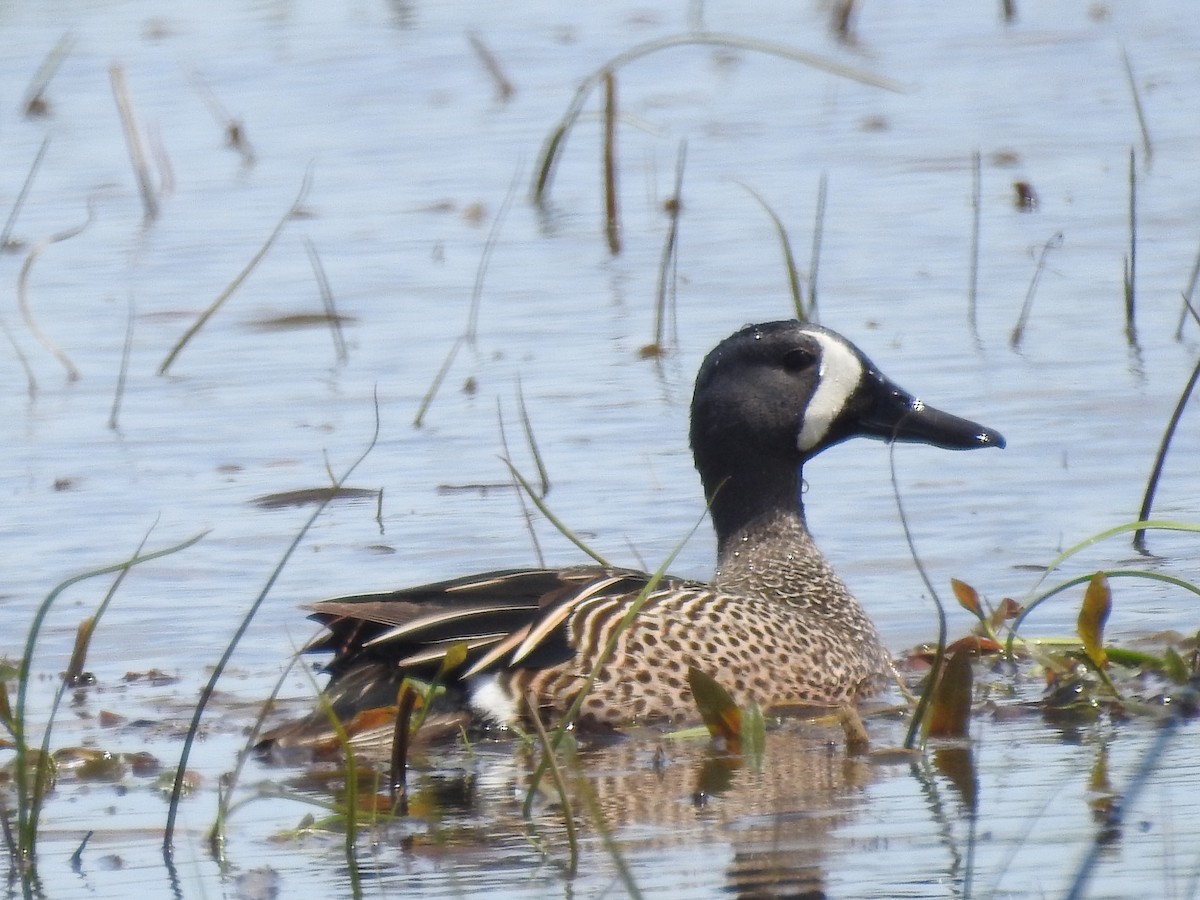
{"x":410,"y":155}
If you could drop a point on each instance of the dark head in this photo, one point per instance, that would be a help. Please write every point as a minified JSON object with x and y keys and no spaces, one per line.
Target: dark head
{"x":771,"y":396}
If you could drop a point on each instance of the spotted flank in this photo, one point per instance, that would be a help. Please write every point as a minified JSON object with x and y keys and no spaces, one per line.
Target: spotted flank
{"x":775,"y":624}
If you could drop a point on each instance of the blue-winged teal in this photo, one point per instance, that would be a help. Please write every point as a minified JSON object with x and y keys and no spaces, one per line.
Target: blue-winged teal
{"x":775,"y":624}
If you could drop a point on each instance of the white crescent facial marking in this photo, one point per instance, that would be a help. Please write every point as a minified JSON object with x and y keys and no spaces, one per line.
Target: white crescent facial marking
{"x":838,"y":375}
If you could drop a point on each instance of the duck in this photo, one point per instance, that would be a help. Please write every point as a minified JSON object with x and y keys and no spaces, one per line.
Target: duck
{"x":775,"y":624}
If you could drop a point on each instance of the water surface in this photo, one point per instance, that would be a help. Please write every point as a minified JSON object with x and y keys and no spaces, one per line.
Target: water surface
{"x":410,"y":155}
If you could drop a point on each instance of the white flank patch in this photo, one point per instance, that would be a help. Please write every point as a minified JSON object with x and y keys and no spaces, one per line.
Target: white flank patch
{"x":490,"y":700}
{"x":839,"y":374}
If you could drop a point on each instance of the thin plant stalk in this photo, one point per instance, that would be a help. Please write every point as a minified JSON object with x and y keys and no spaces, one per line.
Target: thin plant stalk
{"x":1188,"y":293}
{"x":504,"y":87}
{"x":219,"y":669}
{"x":612,"y":215}
{"x":550,"y":756}
{"x":30,"y":379}
{"x":939,"y":660}
{"x":137,"y":155}
{"x":235,"y":131}
{"x":123,"y":371}
{"x":239,"y":278}
{"x":664,"y":294}
{"x":1153,"y":524}
{"x":28,"y":796}
{"x":526,"y":515}
{"x":10,"y":223}
{"x":23,"y":294}
{"x":1139,"y":536}
{"x":78,"y":660}
{"x":1018,"y":332}
{"x":606,"y":652}
{"x":1037,"y":600}
{"x":818,"y":236}
{"x":225,"y":806}
{"x":554,"y":144}
{"x":527,"y":426}
{"x":331,"y":314}
{"x":1131,"y":259}
{"x":485,"y":258}
{"x":553,"y":519}
{"x":419,"y":418}
{"x":785,"y":245}
{"x":34,"y":101}
{"x":1147,"y":144}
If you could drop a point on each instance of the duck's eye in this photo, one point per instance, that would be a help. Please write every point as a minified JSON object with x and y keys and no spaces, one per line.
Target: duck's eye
{"x":798,"y":359}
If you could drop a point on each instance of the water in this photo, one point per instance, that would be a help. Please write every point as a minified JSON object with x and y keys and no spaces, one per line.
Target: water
{"x":387,"y":110}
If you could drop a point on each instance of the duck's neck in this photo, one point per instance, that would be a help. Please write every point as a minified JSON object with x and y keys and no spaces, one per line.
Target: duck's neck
{"x":745,"y":502}
{"x":764,"y":547}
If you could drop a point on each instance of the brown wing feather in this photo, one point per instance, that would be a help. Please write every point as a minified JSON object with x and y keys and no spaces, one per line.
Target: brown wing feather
{"x":411,"y":629}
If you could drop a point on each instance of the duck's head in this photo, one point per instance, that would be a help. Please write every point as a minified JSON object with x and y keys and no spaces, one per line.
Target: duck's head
{"x":773,"y":395}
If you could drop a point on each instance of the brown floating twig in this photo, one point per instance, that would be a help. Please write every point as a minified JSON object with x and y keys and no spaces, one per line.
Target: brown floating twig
{"x":237,"y":281}
{"x":504,"y":87}
{"x":612,"y":221}
{"x":132,"y":138}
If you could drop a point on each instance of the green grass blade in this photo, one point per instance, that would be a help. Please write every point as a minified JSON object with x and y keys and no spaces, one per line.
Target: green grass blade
{"x":219,"y":668}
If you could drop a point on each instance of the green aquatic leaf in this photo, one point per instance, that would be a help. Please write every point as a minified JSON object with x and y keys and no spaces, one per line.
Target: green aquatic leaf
{"x":720,"y":714}
{"x":1175,"y":667}
{"x":1097,"y":603}
{"x":753,"y":735}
